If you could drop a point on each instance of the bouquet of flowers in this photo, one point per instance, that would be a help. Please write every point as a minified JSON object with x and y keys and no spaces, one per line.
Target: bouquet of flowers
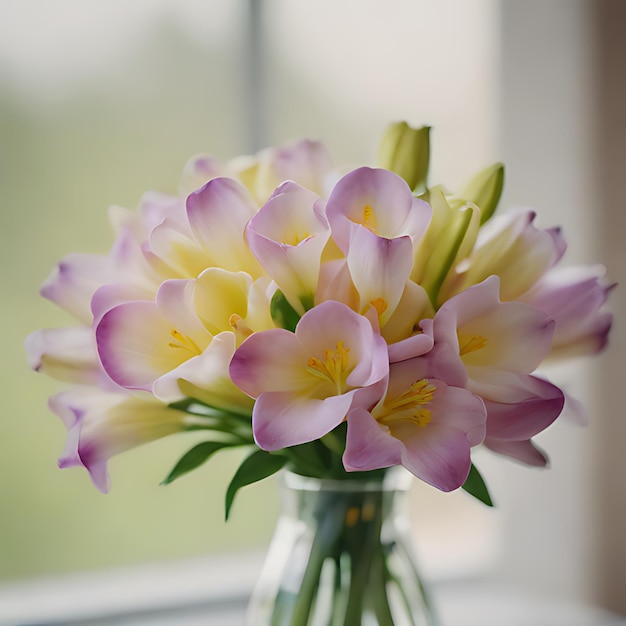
{"x":333,"y":323}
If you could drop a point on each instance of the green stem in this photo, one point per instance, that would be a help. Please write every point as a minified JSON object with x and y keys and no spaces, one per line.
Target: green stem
{"x":326,"y":538}
{"x":379,"y":588}
{"x":364,"y":537}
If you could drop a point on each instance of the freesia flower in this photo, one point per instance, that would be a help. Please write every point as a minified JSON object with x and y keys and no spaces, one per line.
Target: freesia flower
{"x":379,"y":201}
{"x":492,"y":347}
{"x":305,"y":382}
{"x":101,"y":424}
{"x":511,"y":425}
{"x":511,"y":247}
{"x":140,"y":341}
{"x":149,"y":345}
{"x":73,"y":282}
{"x":376,"y":222}
{"x":575,"y":298}
{"x":287,"y":236}
{"x":304,"y":162}
{"x":209,"y":234}
{"x":422,"y":423}
{"x":67,"y":354}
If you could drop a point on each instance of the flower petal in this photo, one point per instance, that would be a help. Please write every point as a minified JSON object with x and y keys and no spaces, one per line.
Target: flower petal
{"x":284,"y":419}
{"x":287,"y":236}
{"x":67,"y":354}
{"x":270,"y":361}
{"x":368,"y":446}
{"x":380,"y":269}
{"x":524,"y":418}
{"x":379,"y":200}
{"x":102,"y":424}
{"x":218,"y":213}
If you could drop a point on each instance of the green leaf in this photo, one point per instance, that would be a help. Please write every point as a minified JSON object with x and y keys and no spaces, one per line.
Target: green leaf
{"x":283,"y":314}
{"x":194,"y":458}
{"x":475,"y":486}
{"x":257,"y":466}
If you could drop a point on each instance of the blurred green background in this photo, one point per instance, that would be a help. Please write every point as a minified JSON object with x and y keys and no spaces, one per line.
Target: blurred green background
{"x":64,"y":160}
{"x":80,"y":130}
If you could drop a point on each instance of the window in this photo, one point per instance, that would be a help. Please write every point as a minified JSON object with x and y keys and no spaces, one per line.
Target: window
{"x":102,"y":101}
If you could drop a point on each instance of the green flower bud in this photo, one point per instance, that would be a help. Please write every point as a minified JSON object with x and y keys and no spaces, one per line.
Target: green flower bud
{"x":406,"y":151}
{"x":484,"y":190}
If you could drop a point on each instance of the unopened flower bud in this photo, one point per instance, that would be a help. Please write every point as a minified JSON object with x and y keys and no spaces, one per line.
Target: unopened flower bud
{"x":484,"y":190}
{"x":406,"y":151}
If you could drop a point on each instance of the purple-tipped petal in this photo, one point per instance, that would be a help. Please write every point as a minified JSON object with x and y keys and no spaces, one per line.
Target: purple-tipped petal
{"x":524,"y":451}
{"x":67,"y":354}
{"x":379,"y":200}
{"x":284,"y":419}
{"x":218,"y":213}
{"x":368,"y":445}
{"x":542,"y":404}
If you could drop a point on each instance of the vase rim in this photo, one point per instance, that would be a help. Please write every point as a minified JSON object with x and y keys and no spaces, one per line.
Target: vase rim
{"x":394,"y":479}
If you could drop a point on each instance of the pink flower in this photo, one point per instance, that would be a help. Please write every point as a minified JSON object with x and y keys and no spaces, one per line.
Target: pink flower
{"x":306,"y":382}
{"x":376,"y":222}
{"x":139,"y":341}
{"x":422,"y":423}
{"x":287,"y":236}
{"x":511,"y":425}
{"x":491,"y":348}
{"x":574,"y":297}
{"x":379,"y":201}
{"x":101,"y":424}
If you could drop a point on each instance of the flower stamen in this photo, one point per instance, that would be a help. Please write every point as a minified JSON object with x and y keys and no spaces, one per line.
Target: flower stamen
{"x":298,"y":238}
{"x":470,"y":343}
{"x":242,"y":330}
{"x":183,"y":342}
{"x":334,"y":367}
{"x":410,"y":405}
{"x":369,"y":219}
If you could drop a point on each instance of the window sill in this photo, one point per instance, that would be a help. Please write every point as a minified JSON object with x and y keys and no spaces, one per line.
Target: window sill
{"x":215,"y":590}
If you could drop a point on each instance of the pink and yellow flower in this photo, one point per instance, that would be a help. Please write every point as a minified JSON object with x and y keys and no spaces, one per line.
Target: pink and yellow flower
{"x":306,"y":382}
{"x":422,"y":423}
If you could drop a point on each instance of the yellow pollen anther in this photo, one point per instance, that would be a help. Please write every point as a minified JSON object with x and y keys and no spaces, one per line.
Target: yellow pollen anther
{"x":239,"y":326}
{"x":410,"y":405}
{"x":334,"y":367}
{"x":183,"y":342}
{"x":421,"y":392}
{"x":380,"y":304}
{"x":470,"y":343}
{"x":422,"y":417}
{"x":369,"y":218}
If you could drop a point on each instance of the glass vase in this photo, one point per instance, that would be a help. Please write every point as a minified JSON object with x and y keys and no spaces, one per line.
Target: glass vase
{"x":341,"y":556}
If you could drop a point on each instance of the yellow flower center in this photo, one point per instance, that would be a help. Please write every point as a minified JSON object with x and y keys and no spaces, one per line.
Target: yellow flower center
{"x":333,"y":368}
{"x":410,"y":405}
{"x":470,"y":343}
{"x":380,"y":304}
{"x":298,"y":237}
{"x":369,"y":218}
{"x":183,"y":342}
